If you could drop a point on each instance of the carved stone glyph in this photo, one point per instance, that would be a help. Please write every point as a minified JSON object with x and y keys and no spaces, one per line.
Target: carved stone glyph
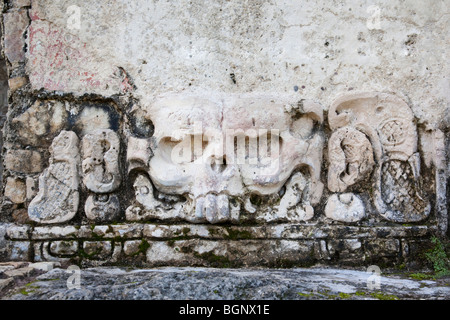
{"x":101,"y":174}
{"x":147,"y":206}
{"x":346,"y":207}
{"x":102,"y":208}
{"x":388,"y":124}
{"x":351,"y":158}
{"x":139,"y":153}
{"x":58,"y":197}
{"x":101,"y":170}
{"x":217,"y":151}
{"x":295,"y":205}
{"x":144,"y":192}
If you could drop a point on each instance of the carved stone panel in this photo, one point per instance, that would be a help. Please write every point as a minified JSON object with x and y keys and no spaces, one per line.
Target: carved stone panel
{"x":388,"y":124}
{"x":172,"y":132}
{"x":58,"y":197}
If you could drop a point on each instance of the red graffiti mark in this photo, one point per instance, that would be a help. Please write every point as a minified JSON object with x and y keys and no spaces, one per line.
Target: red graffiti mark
{"x":32,"y":34}
{"x":60,"y":62}
{"x":34,"y":15}
{"x":90,"y":82}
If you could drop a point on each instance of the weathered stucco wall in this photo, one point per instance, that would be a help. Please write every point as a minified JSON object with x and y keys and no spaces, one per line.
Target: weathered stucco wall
{"x":230,"y":133}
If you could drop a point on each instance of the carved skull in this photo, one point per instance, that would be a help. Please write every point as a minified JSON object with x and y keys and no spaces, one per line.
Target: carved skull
{"x":213,"y":148}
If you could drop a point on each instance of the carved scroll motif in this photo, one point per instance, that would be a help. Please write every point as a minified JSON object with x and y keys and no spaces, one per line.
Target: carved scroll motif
{"x":351,"y":158}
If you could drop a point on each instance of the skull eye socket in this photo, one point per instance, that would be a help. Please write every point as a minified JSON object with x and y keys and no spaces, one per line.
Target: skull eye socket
{"x":185,"y":150}
{"x":257,"y":149}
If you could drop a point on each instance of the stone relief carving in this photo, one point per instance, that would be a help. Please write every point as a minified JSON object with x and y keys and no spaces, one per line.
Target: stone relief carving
{"x":295,"y":204}
{"x":58,"y":197}
{"x":345,"y":207}
{"x":218,"y":152}
{"x":101,"y":173}
{"x":241,"y":158}
{"x":102,"y":207}
{"x":139,"y":153}
{"x":351,"y":158}
{"x":388,"y":123}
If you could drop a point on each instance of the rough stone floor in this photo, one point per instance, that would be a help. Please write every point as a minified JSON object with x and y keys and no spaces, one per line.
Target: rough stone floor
{"x":48,"y":281}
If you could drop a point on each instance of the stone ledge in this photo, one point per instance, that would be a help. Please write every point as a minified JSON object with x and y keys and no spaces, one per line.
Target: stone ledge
{"x":236,"y":253}
{"x":214,"y":232}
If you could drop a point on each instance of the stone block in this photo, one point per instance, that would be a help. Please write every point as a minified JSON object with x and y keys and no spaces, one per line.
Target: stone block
{"x":17,"y":232}
{"x":23,"y":161}
{"x":45,"y":266}
{"x":132,"y":247}
{"x":40,"y":123}
{"x":243,"y":253}
{"x":43,"y":233}
{"x":382,"y":248}
{"x":20,"y":250}
{"x":97,"y":250}
{"x":15,"y":190}
{"x":16,"y":83}
{"x":20,"y":273}
{"x":63,"y":247}
{"x":346,"y":250}
{"x":15,"y":23}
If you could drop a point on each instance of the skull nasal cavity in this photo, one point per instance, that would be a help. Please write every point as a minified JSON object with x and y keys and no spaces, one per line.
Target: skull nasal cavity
{"x":218,"y":165}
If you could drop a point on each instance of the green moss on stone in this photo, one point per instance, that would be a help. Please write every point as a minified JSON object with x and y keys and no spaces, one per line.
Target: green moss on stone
{"x":234,"y":234}
{"x":422,"y":276}
{"x":215,"y":260}
{"x":383,"y":296}
{"x":343,"y":295}
{"x":306,"y":295}
{"x":143,"y":246}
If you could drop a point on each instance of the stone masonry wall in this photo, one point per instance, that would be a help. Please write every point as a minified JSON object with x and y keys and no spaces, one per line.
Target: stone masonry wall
{"x":235,"y":133}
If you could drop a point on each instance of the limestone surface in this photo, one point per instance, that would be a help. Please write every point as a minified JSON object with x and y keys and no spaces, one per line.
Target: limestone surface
{"x":227,"y":284}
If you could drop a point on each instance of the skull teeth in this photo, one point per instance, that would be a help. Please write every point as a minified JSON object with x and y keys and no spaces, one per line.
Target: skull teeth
{"x":213,"y":208}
